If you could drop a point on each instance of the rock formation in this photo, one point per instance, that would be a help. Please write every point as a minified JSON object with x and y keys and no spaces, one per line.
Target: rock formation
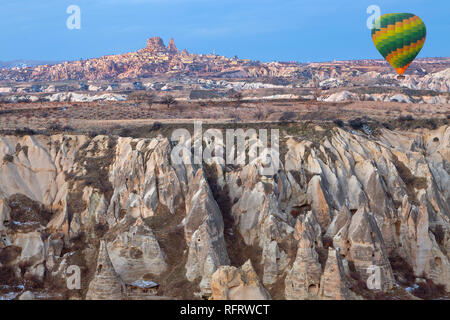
{"x":155,"y":45}
{"x":156,"y":59}
{"x":366,"y":248}
{"x":303,"y":280}
{"x":171,"y":47}
{"x":135,"y":252}
{"x":339,"y":206}
{"x":203,"y":228}
{"x":106,"y":284}
{"x":231,"y":283}
{"x":334,"y":285}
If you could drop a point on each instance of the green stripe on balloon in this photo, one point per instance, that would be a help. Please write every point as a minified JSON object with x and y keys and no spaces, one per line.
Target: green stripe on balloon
{"x":406,"y":34}
{"x":401,"y":40}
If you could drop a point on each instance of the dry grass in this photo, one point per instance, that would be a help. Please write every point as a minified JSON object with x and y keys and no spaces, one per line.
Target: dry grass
{"x":25,"y":210}
{"x":170,"y":234}
{"x":411,"y":182}
{"x":428,"y":290}
{"x":101,"y":115}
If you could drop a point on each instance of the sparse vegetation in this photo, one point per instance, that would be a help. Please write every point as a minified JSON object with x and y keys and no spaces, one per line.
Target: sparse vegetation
{"x":428,"y":290}
{"x":8,"y":158}
{"x":169,"y":101}
{"x":8,"y":276}
{"x":143,"y":97}
{"x":9,"y":254}
{"x":170,"y":235}
{"x":237,"y":97}
{"x":100,"y":230}
{"x":357,"y":123}
{"x":237,"y":250}
{"x":403,"y":271}
{"x":406,"y":118}
{"x":288,"y":116}
{"x":338,"y":122}
{"x":411,"y":182}
{"x":24,"y":209}
{"x":439,"y":234}
{"x":260,"y":115}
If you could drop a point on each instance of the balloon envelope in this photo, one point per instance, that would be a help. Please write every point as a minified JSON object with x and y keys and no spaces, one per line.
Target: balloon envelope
{"x":399,"y":37}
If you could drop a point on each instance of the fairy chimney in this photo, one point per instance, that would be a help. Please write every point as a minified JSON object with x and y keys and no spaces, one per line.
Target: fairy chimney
{"x":106,"y":284}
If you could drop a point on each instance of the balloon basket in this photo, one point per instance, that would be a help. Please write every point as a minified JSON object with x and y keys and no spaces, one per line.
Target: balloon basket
{"x":400,"y":77}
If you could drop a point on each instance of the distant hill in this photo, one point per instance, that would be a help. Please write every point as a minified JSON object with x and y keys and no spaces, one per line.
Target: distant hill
{"x":25,"y":63}
{"x":157,"y":59}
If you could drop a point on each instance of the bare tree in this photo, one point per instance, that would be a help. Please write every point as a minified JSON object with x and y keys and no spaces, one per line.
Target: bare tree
{"x":180,"y":108}
{"x":235,"y":117}
{"x":169,"y":100}
{"x":234,"y":95}
{"x":237,"y":97}
{"x":288,"y":116}
{"x":7,"y":118}
{"x":143,"y":97}
{"x":150,"y":99}
{"x":260,"y":113}
{"x":28,"y":117}
{"x":317,"y":91}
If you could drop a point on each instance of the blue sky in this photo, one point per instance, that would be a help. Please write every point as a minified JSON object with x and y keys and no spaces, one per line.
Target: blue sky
{"x":266,"y":30}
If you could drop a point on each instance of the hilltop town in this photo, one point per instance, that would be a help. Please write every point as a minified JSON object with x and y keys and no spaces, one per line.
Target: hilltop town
{"x":154,"y":59}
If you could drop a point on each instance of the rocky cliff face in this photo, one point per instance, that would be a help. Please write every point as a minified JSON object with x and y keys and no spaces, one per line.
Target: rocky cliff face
{"x":344,"y":215}
{"x":171,"y":47}
{"x":156,"y":45}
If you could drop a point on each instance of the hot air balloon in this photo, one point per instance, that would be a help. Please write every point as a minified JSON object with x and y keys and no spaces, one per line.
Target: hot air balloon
{"x":399,"y":37}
